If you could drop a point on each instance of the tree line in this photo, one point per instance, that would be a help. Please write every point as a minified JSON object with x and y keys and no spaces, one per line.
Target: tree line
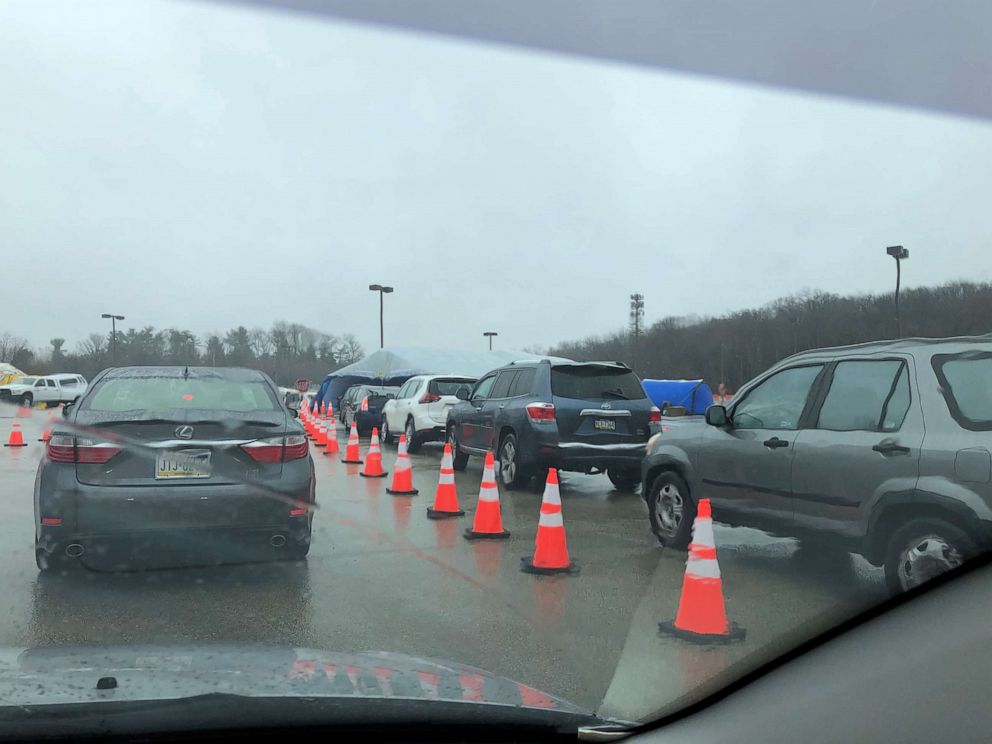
{"x":736,"y":347}
{"x":286,"y":351}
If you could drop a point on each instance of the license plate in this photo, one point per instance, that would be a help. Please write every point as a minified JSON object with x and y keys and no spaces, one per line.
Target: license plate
{"x":604,"y":424}
{"x":184,"y":464}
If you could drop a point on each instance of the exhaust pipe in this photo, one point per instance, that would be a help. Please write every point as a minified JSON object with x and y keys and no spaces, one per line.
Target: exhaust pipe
{"x":74,"y":550}
{"x":277,"y":541}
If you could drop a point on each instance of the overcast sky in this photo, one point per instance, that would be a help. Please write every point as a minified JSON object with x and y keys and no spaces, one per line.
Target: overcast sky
{"x":207,"y":166}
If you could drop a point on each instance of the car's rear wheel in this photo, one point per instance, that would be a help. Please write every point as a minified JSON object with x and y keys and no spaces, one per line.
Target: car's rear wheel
{"x":459,"y":459}
{"x":624,"y":479}
{"x":412,"y":440}
{"x":512,"y":473}
{"x":671,"y":510}
{"x":922,"y":550}
{"x":27,"y":400}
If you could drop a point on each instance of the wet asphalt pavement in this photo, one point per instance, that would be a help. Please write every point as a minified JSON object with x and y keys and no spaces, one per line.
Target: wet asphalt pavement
{"x":381,"y":576}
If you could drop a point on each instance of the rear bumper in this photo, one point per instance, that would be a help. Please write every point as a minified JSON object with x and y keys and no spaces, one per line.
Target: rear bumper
{"x":583,"y":457}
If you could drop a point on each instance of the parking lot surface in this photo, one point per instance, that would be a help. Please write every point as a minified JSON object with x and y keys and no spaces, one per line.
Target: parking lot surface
{"x":381,"y":576}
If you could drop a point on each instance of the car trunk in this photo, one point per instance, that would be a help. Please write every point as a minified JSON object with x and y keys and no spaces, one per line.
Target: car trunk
{"x":164,"y":481}
{"x":599,"y":405}
{"x":438,"y":410}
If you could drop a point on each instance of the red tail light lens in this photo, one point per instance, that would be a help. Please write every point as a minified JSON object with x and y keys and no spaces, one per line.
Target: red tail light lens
{"x":655,"y":416}
{"x":277,"y":449}
{"x":63,"y":448}
{"x":430,"y":398}
{"x":297,"y":512}
{"x":541,"y":412}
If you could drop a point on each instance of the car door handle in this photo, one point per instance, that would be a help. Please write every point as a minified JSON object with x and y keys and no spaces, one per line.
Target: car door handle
{"x":890,"y":447}
{"x":775,"y":443}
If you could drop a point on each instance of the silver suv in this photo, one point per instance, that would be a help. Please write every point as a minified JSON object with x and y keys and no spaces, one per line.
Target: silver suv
{"x":882,"y":449}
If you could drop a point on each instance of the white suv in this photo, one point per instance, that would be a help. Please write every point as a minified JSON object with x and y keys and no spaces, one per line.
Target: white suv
{"x":50,"y":389}
{"x":420,"y":408}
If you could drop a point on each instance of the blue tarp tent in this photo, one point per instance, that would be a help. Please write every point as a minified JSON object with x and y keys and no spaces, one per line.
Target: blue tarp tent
{"x":396,"y":365}
{"x":695,"y":395}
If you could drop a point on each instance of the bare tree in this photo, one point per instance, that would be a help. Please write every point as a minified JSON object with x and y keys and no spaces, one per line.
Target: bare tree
{"x":11,"y":346}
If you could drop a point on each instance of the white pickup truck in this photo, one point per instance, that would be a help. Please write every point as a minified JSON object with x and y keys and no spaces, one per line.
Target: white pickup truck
{"x":50,"y":389}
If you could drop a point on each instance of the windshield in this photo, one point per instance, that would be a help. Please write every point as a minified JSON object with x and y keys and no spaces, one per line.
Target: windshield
{"x":605,"y":216}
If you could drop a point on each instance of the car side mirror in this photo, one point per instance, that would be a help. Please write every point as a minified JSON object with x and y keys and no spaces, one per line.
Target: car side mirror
{"x":461,"y":393}
{"x":717,"y":416}
{"x":294,"y":411}
{"x":65,"y":409}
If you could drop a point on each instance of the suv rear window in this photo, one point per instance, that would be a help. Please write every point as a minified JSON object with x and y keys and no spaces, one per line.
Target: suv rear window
{"x":167,"y":393}
{"x":589,"y":382}
{"x":448,"y":387}
{"x":964,"y":382}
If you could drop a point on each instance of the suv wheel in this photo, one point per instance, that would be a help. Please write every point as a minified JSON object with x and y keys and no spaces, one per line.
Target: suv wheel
{"x":512,"y":474}
{"x":27,"y":400}
{"x":384,"y":433}
{"x":922,"y":550}
{"x":671,"y":510}
{"x":412,"y":440}
{"x":459,"y":459}
{"x":624,"y":479}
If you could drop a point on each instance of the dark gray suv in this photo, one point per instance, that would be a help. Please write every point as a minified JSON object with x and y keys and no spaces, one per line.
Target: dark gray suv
{"x":588,"y":417}
{"x":882,"y":449}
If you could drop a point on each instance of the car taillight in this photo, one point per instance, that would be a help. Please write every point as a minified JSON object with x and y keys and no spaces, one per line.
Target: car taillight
{"x":655,"y":416}
{"x":277,"y":449}
{"x":296,"y":447}
{"x":430,"y":398}
{"x":541,"y":412}
{"x":62,"y":448}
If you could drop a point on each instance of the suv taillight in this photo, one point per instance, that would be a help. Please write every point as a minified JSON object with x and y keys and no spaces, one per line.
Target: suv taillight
{"x":277,"y":449}
{"x":430,"y":398}
{"x":655,"y":416}
{"x":541,"y":412}
{"x":63,"y":448}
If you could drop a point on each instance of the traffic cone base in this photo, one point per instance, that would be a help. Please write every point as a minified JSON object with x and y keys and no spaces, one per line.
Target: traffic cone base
{"x":394,"y":492}
{"x":527,"y":566}
{"x":735,"y":633}
{"x":374,"y":475}
{"x":471,"y":534}
{"x":433,"y":513}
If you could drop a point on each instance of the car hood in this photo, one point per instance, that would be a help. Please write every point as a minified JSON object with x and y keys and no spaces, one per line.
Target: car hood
{"x":98,"y":674}
{"x":15,"y":388}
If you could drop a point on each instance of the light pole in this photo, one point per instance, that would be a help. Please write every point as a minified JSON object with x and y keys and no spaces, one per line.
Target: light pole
{"x":113,"y":333}
{"x":490,"y":334}
{"x":898,"y":253}
{"x":381,"y":290}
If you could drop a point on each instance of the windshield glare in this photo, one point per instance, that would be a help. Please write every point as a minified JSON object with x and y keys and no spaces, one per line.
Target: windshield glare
{"x":731,"y":322}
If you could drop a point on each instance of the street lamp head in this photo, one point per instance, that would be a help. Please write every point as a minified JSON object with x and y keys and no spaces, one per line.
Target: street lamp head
{"x":375,"y":287}
{"x":106,"y":315}
{"x":897,"y":252}
{"x":387,"y":290}
{"x":490,"y":333}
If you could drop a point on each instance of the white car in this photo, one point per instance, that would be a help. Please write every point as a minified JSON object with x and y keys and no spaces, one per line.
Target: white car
{"x":50,"y":389}
{"x":420,"y":408}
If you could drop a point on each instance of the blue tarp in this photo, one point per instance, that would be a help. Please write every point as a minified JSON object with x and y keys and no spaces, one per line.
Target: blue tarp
{"x":695,"y":395}
{"x":396,"y":365}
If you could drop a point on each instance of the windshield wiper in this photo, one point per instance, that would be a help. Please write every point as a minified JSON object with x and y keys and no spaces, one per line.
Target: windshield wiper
{"x":615,"y":393}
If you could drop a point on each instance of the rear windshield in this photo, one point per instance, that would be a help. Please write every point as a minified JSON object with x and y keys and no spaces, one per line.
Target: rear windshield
{"x":596,"y":383}
{"x":168,"y":393}
{"x":448,"y":387}
{"x":964,"y":380}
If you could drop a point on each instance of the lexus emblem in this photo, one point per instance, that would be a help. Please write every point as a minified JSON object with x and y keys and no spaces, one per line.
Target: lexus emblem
{"x":184,"y":432}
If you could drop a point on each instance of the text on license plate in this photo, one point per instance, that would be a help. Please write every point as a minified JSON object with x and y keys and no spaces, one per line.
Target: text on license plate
{"x":604,"y":424}
{"x":184,"y":464}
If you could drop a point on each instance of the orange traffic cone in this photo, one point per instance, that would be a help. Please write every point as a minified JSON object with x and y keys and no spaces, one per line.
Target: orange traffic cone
{"x":46,"y":434}
{"x":330,"y":412}
{"x":321,"y":439}
{"x":322,"y":411}
{"x":22,"y":411}
{"x":701,"y":616}
{"x":488,"y":524}
{"x":352,"y":455}
{"x":16,"y":438}
{"x":402,"y":484}
{"x":550,"y":549}
{"x":332,"y":439}
{"x":373,"y":458}
{"x":446,"y":497}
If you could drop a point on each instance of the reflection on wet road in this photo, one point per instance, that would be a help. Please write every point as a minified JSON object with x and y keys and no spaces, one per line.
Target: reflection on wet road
{"x":381,"y":576}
